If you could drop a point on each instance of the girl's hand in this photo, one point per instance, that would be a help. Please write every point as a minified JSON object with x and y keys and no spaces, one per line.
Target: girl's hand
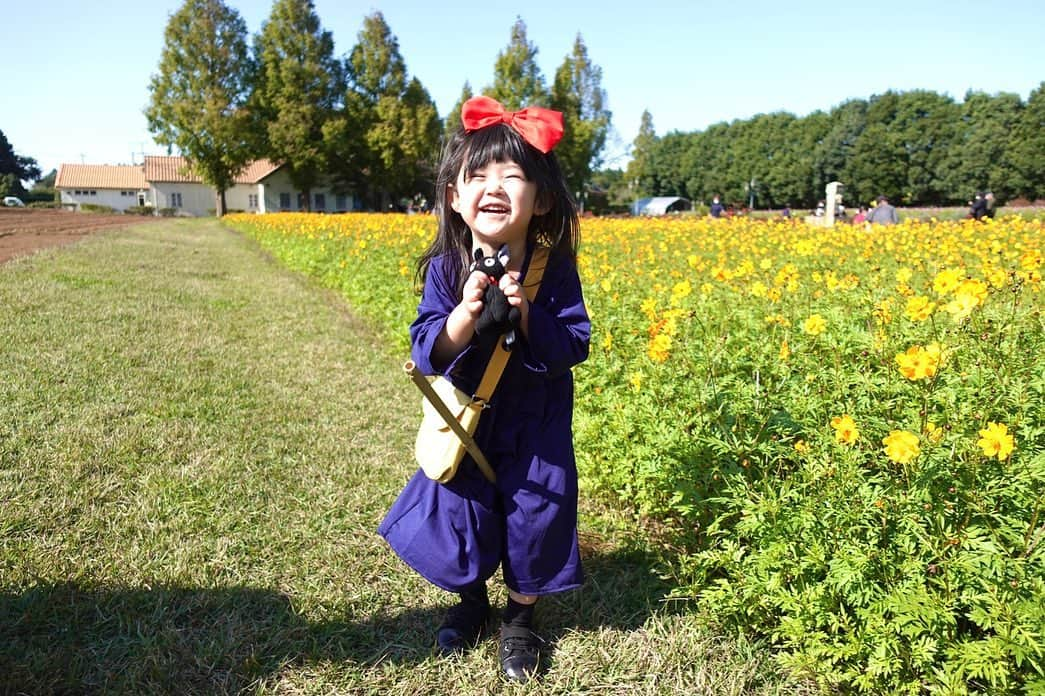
{"x":513,"y":290}
{"x":460,"y":325}
{"x":472,"y":295}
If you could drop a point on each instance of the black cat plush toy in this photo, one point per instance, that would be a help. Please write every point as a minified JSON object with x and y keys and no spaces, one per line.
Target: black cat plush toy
{"x":498,"y":317}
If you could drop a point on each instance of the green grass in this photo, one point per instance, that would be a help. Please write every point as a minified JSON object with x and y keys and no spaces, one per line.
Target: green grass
{"x":196,"y":447}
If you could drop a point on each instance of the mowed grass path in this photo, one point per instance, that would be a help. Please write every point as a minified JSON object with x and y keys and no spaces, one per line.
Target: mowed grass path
{"x":196,"y":447}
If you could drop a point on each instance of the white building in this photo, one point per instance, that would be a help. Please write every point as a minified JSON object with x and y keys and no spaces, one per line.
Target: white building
{"x":167,"y":183}
{"x":117,"y":186}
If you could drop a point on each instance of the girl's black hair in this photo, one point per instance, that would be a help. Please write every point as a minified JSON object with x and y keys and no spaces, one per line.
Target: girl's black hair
{"x":557,"y":229}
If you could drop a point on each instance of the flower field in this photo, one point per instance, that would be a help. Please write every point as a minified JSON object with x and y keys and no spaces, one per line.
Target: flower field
{"x":845,"y":429}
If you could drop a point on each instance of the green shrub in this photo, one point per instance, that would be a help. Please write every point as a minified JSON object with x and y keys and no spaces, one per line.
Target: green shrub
{"x":167,"y":212}
{"x":139,"y":210}
{"x":96,"y":208}
{"x":43,"y":204}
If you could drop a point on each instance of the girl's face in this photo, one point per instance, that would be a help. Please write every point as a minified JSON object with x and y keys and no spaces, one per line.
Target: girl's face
{"x":497,"y":202}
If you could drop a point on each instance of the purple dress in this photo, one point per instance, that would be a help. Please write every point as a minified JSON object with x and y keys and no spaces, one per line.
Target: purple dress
{"x":456,"y":534}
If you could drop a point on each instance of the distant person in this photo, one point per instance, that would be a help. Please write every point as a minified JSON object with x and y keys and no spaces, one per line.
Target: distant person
{"x":978,"y":207}
{"x":991,"y":208}
{"x":861,"y":215}
{"x":883,"y":213}
{"x":820,"y":209}
{"x":786,"y":213}
{"x":717,"y":209}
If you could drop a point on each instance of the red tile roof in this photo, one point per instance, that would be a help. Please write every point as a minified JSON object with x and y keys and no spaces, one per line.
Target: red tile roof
{"x":177,"y":170}
{"x":102,"y":176}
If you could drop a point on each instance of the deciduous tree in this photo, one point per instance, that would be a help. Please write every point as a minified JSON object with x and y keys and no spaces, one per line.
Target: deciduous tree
{"x":198,"y":97}
{"x":14,"y":169}
{"x":1026,"y":149}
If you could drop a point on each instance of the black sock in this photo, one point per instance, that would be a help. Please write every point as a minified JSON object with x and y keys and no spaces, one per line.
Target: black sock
{"x":518,"y":614}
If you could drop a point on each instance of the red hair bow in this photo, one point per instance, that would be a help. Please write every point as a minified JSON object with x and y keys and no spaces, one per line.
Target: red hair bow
{"x":542,"y":128}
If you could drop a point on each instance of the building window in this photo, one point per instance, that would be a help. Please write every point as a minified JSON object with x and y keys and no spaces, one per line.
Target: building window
{"x":94,"y":193}
{"x":341,"y":201}
{"x":175,"y":200}
{"x":284,"y":201}
{"x":321,"y":201}
{"x":252,"y":201}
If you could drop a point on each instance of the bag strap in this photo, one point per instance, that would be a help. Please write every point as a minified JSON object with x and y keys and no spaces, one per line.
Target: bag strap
{"x":531,"y":284}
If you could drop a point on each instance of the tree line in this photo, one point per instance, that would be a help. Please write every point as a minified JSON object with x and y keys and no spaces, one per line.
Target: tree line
{"x":359,"y":122}
{"x":917,"y":148}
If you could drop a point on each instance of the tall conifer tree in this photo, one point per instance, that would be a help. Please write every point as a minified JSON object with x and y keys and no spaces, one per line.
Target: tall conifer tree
{"x":578,"y":93}
{"x":517,"y":79}
{"x":299,"y":87}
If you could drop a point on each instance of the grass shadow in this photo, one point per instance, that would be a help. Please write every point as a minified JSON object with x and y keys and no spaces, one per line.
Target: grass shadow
{"x":65,"y":638}
{"x":69,"y":638}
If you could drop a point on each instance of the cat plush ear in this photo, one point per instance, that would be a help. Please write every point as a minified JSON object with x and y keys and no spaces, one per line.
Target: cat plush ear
{"x":502,"y":255}
{"x":478,"y":255}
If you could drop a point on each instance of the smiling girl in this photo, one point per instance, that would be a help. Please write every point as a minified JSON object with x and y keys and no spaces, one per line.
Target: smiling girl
{"x":499,"y":183}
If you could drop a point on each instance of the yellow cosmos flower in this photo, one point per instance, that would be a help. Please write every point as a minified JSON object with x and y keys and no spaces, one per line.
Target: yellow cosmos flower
{"x":1030,"y":260}
{"x":846,"y":431}
{"x":680,"y":292}
{"x":995,"y":276}
{"x":918,"y":362}
{"x":901,"y":446}
{"x":649,"y":308}
{"x":801,"y":447}
{"x":814,"y":325}
{"x":995,"y":441}
{"x":933,"y":432}
{"x":636,"y":381}
{"x":961,"y":307}
{"x":785,"y":351}
{"x":919,"y":308}
{"x":946,"y":282}
{"x":903,"y":275}
{"x":659,"y":348}
{"x":974,"y":288}
{"x":883,"y":311}
{"x":607,"y":342}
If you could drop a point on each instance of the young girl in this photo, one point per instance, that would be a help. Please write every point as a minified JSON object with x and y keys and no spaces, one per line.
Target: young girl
{"x":500,"y":183}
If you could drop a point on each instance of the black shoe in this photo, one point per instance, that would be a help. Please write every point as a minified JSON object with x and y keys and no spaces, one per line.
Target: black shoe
{"x":520,"y":652}
{"x":464,"y":625}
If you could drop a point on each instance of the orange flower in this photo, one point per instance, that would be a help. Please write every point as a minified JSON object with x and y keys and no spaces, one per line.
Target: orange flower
{"x":846,"y":431}
{"x":919,"y":363}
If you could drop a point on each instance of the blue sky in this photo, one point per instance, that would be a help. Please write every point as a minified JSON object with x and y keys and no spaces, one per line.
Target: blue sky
{"x":77,"y":73}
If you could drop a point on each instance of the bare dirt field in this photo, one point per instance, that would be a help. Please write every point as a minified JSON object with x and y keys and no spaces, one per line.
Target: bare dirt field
{"x":25,"y":230}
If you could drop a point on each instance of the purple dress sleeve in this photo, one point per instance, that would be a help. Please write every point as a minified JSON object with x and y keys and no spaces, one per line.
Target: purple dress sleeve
{"x":559,"y":327}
